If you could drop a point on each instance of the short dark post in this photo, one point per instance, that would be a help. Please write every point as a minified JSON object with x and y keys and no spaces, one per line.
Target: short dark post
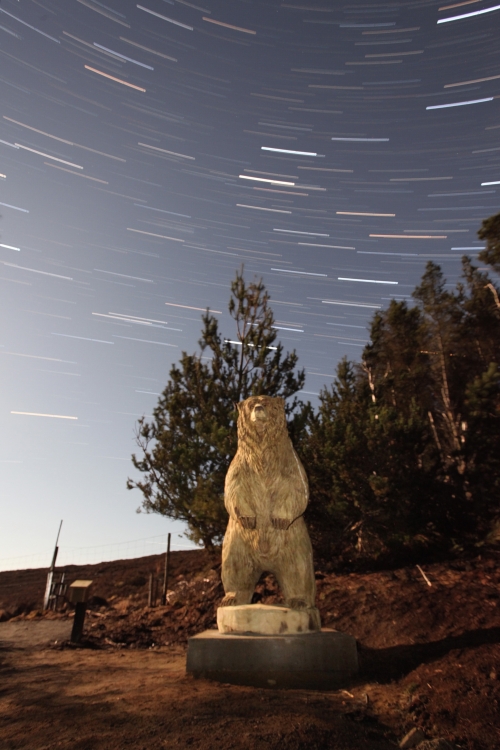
{"x":165,"y":574}
{"x":80,"y":611}
{"x":78,"y":595}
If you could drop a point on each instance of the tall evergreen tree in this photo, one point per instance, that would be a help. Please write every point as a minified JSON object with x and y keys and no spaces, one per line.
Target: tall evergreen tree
{"x":480,"y":358}
{"x":407,"y":467}
{"x":187,"y":448}
{"x":334,"y":453}
{"x":443,"y":315}
{"x":395,"y":361}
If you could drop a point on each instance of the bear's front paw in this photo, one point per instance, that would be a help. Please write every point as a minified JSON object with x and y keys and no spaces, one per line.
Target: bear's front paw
{"x":248,"y":522}
{"x":229,"y":600}
{"x":280,"y":523}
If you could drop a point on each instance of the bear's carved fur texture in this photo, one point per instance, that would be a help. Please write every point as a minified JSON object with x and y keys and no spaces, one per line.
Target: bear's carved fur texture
{"x":266,"y":493}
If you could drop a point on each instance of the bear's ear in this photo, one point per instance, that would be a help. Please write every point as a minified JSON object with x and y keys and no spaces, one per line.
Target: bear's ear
{"x":237,"y":405}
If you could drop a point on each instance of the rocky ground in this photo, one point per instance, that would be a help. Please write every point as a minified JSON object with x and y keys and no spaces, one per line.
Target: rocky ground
{"x":429,"y":661}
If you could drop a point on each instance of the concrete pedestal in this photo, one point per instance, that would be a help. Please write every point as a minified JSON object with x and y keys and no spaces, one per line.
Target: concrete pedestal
{"x":316,"y":660}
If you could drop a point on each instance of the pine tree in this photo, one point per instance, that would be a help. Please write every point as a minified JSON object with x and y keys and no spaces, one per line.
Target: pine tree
{"x":443,"y":316}
{"x":189,"y":444}
{"x":406,"y":466}
{"x":480,"y":338}
{"x":334,"y":452}
{"x":395,"y":361}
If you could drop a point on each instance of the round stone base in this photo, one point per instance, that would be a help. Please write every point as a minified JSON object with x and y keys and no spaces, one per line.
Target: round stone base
{"x":265,"y":619}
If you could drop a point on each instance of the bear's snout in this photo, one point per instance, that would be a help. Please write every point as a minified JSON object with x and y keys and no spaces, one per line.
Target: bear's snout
{"x":258,"y":413}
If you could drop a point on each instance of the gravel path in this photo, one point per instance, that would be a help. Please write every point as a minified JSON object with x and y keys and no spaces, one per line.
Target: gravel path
{"x":24,"y":634}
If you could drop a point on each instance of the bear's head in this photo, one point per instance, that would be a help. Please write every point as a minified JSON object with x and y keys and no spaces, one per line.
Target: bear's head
{"x":261,"y":416}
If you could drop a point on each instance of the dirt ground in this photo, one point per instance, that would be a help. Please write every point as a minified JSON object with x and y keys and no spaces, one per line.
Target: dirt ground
{"x":83,"y":699}
{"x":429,"y":658}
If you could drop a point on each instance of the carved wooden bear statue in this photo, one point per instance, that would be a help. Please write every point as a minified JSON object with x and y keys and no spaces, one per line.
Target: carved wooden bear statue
{"x":266,"y":493}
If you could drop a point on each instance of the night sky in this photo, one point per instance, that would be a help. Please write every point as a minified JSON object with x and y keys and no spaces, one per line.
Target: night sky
{"x":147,"y":151}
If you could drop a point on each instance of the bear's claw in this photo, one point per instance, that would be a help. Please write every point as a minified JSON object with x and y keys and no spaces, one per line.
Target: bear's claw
{"x":229,"y":600}
{"x":280,"y":523}
{"x":248,"y":522}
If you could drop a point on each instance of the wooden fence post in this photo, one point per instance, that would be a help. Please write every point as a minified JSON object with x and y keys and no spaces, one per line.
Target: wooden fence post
{"x":165,"y":574}
{"x":150,"y":590}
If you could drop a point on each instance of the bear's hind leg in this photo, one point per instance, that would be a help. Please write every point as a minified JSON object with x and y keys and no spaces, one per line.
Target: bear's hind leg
{"x":294,"y":569}
{"x":240,"y":573}
{"x":239,"y":584}
{"x":239,"y":589}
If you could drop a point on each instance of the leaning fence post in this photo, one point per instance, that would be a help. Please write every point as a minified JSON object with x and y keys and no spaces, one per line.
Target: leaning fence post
{"x":50,"y":574}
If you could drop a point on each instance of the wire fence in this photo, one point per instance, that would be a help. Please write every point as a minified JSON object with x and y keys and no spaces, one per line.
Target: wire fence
{"x":152,"y":545}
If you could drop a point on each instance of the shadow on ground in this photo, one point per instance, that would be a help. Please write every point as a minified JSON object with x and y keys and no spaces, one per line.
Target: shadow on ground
{"x":393,"y":663}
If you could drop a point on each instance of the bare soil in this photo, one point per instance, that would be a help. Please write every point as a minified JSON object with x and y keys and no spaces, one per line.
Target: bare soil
{"x":429,"y":658}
